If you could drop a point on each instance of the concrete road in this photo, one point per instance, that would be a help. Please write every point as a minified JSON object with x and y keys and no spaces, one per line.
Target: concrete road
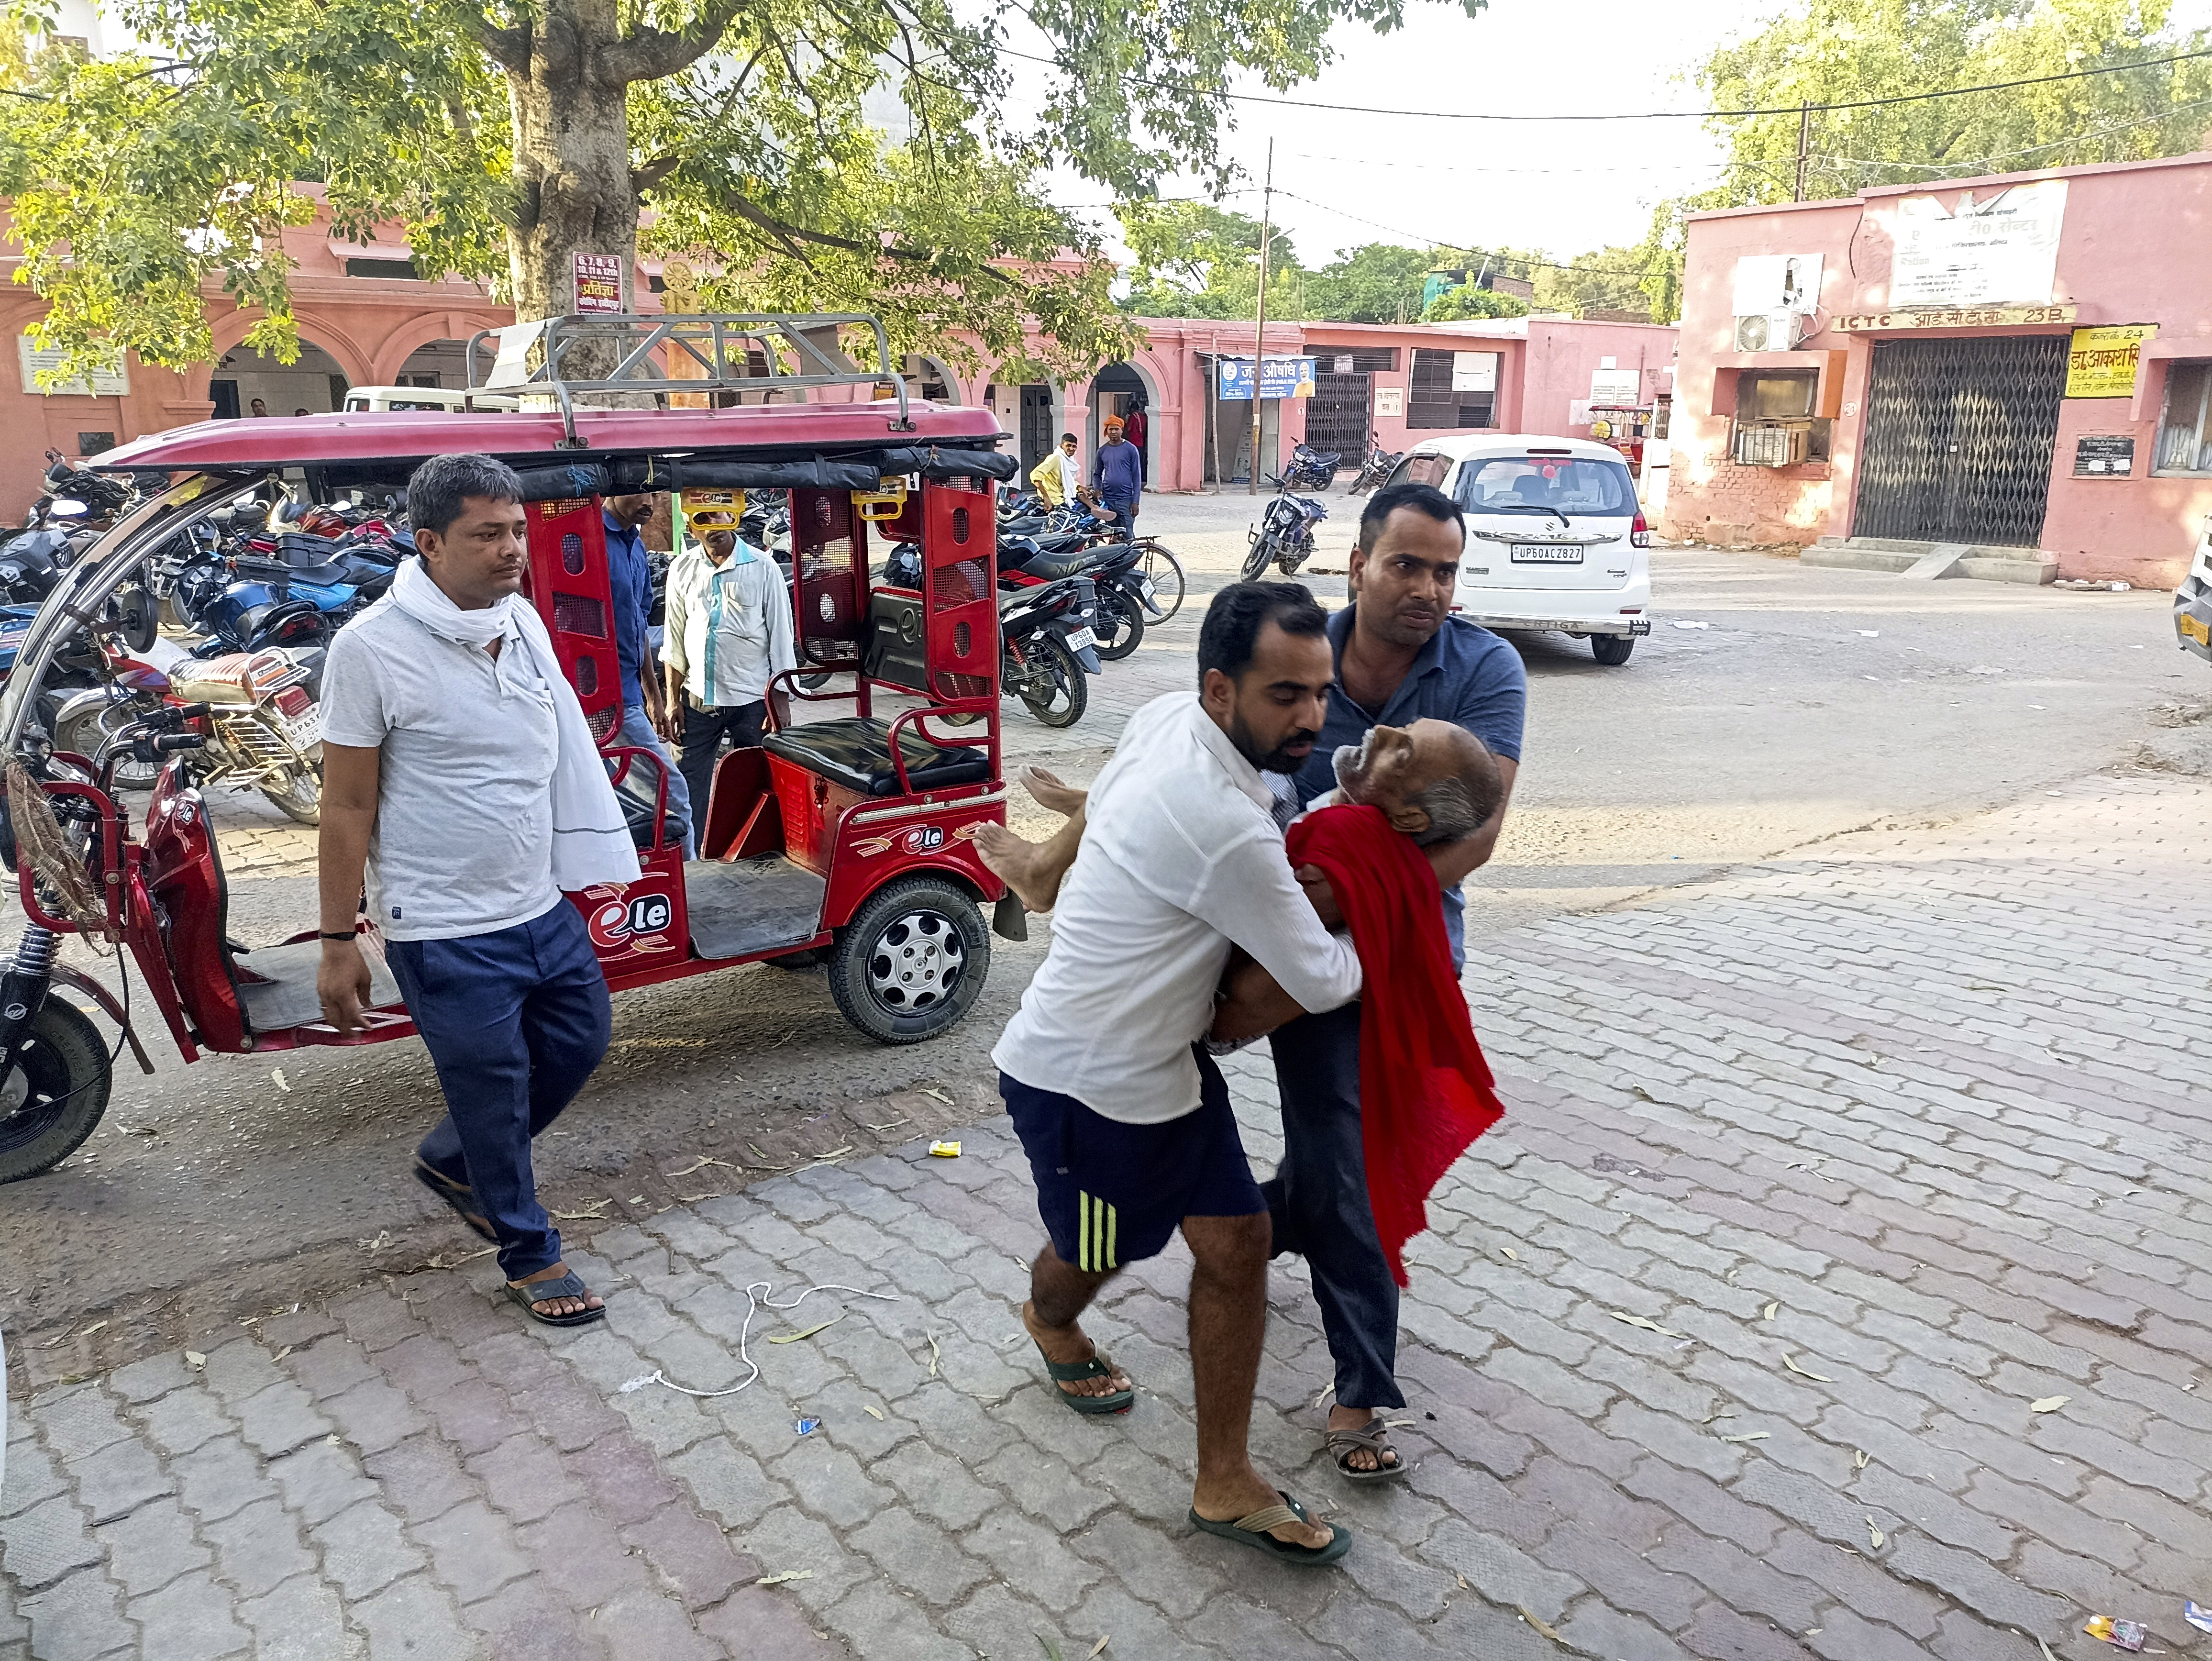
{"x":1812,"y":703}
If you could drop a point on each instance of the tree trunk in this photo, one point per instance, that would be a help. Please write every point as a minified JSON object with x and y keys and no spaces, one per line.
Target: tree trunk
{"x":572,"y":158}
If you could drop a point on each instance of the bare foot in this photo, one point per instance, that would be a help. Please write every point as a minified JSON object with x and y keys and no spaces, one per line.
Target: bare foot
{"x":1225,"y":1502}
{"x":1345,"y":1418}
{"x":1068,"y":1345}
{"x":558,"y":1305}
{"x":1023,"y":868}
{"x":1050,"y":794}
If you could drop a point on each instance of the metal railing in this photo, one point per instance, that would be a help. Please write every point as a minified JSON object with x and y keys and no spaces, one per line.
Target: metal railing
{"x":644,"y":348}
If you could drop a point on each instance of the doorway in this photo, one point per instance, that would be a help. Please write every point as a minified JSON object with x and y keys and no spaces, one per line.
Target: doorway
{"x":1037,"y":436}
{"x":1959,"y":438}
{"x":1337,"y":416}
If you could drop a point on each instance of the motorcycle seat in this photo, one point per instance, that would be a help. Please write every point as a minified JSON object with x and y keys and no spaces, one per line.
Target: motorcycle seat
{"x":855,"y":752}
{"x":214,"y":680}
{"x":1050,"y":566}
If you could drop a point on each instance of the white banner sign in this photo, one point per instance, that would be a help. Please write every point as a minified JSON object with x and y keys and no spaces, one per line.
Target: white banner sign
{"x":1617,"y":387}
{"x":1474,"y":372}
{"x":1390,"y":401}
{"x":1988,"y":253}
{"x":105,"y":383}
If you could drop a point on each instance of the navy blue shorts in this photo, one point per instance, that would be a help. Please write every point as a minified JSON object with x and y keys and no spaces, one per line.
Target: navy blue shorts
{"x":1111,"y":1193}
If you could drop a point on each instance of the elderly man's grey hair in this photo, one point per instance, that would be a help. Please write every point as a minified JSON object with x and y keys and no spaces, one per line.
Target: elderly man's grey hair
{"x":1461,"y":804}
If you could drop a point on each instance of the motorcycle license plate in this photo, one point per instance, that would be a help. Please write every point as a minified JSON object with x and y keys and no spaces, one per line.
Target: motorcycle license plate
{"x":304,"y":730}
{"x":2197,"y":630}
{"x":1546,"y":553}
{"x":1150,"y":588}
{"x":1079,"y":638}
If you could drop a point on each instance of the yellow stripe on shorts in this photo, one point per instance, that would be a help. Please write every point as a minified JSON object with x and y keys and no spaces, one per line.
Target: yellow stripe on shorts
{"x":1094,"y":1225}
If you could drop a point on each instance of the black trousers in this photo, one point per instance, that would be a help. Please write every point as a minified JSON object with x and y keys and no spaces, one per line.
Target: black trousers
{"x":703,"y":731}
{"x":1317,"y":1200}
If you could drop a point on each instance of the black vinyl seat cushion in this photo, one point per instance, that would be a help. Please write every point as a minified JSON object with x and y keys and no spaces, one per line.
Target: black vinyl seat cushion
{"x":856,"y":753}
{"x":1050,"y":566}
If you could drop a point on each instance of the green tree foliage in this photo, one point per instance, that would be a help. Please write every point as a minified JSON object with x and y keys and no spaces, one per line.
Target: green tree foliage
{"x":1605,"y":279}
{"x":508,"y":134}
{"x":1378,"y":283}
{"x":1832,"y":52}
{"x":1466,"y":301}
{"x":1194,"y":259}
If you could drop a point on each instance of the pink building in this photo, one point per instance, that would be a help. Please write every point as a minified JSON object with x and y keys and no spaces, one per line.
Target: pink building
{"x":367,"y":318}
{"x":2019,"y":366}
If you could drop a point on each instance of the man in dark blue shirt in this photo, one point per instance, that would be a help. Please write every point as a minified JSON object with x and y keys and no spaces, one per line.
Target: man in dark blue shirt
{"x":1117,"y":473}
{"x":645,"y":713}
{"x":1400,"y":655}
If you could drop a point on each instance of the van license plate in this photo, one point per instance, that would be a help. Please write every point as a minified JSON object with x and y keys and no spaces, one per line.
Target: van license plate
{"x":1546,"y":553}
{"x":2196,"y":629}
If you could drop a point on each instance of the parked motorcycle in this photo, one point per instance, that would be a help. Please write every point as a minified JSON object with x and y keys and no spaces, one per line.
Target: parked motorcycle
{"x":1381,"y":464}
{"x":294,"y":590}
{"x":256,"y":710}
{"x":1285,"y":535}
{"x":1309,"y":469}
{"x":1047,"y":646}
{"x":1124,"y":593}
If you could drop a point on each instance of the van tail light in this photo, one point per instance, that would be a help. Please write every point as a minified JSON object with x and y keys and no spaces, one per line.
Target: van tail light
{"x":1639,"y":534}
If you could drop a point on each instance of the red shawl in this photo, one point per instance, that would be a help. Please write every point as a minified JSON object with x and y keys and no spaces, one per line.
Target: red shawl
{"x":1424,"y":1090}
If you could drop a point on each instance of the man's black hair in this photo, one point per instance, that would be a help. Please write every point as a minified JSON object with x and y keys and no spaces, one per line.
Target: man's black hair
{"x":1421,"y":498}
{"x":1230,"y":633}
{"x":1069,"y":438}
{"x":438,"y":488}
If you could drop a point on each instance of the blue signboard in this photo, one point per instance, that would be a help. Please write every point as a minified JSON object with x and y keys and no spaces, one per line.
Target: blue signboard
{"x":1280,"y":377}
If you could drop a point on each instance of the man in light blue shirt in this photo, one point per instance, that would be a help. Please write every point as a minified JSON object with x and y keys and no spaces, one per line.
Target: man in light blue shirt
{"x":645,"y":712}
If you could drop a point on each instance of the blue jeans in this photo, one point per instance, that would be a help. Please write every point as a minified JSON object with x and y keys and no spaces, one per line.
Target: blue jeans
{"x":637,"y":733}
{"x":1317,"y":1200}
{"x":515,"y":1021}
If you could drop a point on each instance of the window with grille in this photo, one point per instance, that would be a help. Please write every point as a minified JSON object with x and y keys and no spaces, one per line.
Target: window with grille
{"x":1356,"y":360}
{"x":2184,"y":429}
{"x":1431,"y":401}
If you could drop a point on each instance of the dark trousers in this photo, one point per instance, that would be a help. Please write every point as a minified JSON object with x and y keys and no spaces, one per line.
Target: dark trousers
{"x":1317,"y":1200}
{"x":1125,"y":513}
{"x":515,"y":1021}
{"x":703,"y":730}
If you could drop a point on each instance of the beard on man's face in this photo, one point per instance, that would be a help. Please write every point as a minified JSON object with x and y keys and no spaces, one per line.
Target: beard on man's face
{"x":1288,"y":756}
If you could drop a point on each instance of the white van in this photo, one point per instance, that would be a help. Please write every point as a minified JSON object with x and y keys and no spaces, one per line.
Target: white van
{"x":1555,"y":540}
{"x":443,"y":400}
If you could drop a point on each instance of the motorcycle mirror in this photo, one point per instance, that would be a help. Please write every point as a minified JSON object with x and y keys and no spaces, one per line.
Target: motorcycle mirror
{"x":67,"y":506}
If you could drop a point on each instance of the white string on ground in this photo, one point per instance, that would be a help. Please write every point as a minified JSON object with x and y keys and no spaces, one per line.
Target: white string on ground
{"x":753,"y":1306}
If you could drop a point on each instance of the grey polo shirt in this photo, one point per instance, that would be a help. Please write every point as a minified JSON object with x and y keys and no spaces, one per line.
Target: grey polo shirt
{"x":464,"y":838}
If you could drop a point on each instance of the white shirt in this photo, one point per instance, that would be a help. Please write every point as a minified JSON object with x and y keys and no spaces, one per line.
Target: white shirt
{"x":729,"y":625}
{"x":463,"y":842}
{"x":1070,"y":476}
{"x":1181,"y":859}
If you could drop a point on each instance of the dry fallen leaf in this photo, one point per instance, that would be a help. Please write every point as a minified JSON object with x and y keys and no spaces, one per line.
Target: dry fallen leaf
{"x":1873,"y":1534}
{"x":1749,"y":1436}
{"x":1643,"y":1322}
{"x":1859,"y":1458}
{"x":1770,"y":1312}
{"x":1461,"y":1579}
{"x":2049,"y":1404}
{"x":940,"y":1096}
{"x":1327,"y":1391}
{"x":93,"y":1328}
{"x":873,"y":1413}
{"x":590,"y":1213}
{"x":789,"y":1574}
{"x":1549,"y":1631}
{"x":1510,"y":1253}
{"x":793,"y":1337}
{"x":281,"y":1353}
{"x":1098,"y":1649}
{"x":1790,"y":1361}
{"x":194,"y":1360}
{"x":933,"y":1355}
{"x":698,"y":1164}
{"x":278,"y":1074}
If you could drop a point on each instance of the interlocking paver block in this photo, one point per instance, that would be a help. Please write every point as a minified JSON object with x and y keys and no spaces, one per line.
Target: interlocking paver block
{"x":151,"y":1547}
{"x":77,"y":1619}
{"x":260,"y":1548}
{"x":363,"y":1550}
{"x":191,"y":1619}
{"x":691,"y":1554}
{"x":301,"y":1620}
{"x":415,"y":1620}
{"x":45,"y":1542}
{"x":473,"y":1551}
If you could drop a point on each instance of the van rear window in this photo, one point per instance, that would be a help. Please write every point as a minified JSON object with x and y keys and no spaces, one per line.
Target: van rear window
{"x":1545,"y":485}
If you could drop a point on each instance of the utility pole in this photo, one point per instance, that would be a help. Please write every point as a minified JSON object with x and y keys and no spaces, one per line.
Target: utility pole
{"x":1260,"y":330}
{"x":1804,"y":146}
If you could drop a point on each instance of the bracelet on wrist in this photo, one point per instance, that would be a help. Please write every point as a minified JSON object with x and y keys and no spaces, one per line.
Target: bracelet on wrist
{"x":348,"y":935}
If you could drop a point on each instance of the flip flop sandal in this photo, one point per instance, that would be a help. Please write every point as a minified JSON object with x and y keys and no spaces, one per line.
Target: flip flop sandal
{"x":1374,"y":1436}
{"x":539,"y":1291}
{"x":1072,"y":1371}
{"x":1252,"y":1530}
{"x":459,"y":1195}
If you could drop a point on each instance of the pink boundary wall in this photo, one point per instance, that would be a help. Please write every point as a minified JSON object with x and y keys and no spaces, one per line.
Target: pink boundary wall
{"x":2132,"y":249}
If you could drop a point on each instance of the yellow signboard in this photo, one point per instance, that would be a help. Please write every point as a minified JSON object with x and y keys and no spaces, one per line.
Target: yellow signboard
{"x":2101,"y":362}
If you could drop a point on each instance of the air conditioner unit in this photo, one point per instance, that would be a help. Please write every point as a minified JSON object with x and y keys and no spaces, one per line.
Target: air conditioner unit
{"x":1767,"y":332}
{"x":1772,"y":447}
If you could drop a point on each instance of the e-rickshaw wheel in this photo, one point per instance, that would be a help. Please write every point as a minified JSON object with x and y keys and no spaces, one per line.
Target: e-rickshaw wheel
{"x":55,"y":1093}
{"x":912,"y":960}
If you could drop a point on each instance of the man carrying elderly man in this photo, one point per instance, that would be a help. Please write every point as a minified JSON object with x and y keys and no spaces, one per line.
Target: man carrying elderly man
{"x":1423,"y":717}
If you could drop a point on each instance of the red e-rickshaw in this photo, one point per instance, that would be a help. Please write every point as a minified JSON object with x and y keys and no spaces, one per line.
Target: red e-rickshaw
{"x":847,"y":841}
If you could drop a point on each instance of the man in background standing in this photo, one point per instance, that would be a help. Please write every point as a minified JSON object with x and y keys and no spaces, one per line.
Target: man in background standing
{"x":1058,"y":480}
{"x":1133,"y":429}
{"x":1118,"y":475}
{"x":728,"y":636}
{"x":645,"y":713}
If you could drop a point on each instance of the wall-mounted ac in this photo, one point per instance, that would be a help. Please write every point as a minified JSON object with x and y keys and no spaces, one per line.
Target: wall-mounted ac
{"x":1782,"y":445}
{"x":1767,"y":331}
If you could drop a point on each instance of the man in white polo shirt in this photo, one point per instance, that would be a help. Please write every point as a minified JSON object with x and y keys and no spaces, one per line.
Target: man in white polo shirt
{"x":1125,"y":1118}
{"x":460,"y":775}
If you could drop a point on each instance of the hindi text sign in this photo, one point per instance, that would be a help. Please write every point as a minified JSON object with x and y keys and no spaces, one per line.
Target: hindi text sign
{"x":2102,"y":362}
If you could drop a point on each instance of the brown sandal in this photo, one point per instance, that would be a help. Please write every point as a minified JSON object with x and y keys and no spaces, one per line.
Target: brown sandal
{"x":1374,"y":1436}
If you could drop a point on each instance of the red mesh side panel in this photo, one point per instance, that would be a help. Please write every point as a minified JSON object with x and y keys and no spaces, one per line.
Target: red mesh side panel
{"x":958,"y":544}
{"x":831,"y":548}
{"x":569,"y":586}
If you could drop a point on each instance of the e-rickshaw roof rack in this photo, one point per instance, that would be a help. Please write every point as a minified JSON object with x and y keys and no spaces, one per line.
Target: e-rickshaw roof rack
{"x":533,"y":357}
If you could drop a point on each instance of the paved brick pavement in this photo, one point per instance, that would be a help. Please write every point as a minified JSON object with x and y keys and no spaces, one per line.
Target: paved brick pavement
{"x":1892,"y":1141}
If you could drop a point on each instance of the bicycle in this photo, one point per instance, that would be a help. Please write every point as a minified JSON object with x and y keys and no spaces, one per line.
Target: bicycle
{"x":1158,"y":563}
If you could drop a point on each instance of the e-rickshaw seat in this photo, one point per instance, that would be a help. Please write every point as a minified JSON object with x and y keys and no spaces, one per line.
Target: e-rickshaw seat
{"x":855,"y":752}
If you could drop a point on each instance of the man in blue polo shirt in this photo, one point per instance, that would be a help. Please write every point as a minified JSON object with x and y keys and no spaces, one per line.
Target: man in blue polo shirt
{"x":645,"y":711}
{"x":1400,"y":655}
